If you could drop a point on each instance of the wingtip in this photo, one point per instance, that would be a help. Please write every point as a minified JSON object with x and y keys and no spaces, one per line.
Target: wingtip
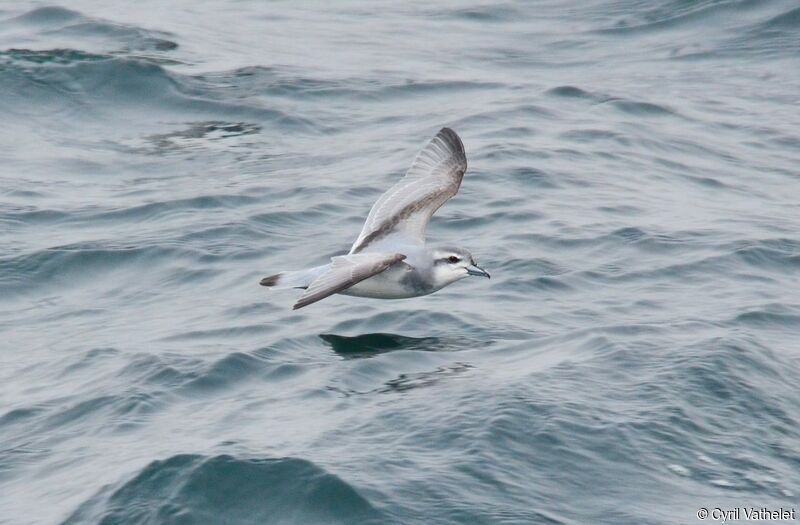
{"x":452,"y":138}
{"x":450,"y":133}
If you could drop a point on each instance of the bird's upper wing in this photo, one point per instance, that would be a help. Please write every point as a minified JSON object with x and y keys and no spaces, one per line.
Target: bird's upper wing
{"x":346,"y":271}
{"x":407,"y":207}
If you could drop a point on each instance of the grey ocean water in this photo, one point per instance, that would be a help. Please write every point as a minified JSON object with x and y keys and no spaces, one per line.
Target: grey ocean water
{"x":633,"y":190}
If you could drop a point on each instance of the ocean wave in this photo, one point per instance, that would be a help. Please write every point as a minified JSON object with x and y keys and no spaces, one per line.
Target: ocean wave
{"x":60,"y":82}
{"x":732,"y":28}
{"x":54,"y":22}
{"x":669,"y":14}
{"x":75,"y":264}
{"x":191,"y":488}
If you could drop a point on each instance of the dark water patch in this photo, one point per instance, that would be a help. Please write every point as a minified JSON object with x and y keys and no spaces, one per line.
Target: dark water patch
{"x":622,"y":209}
{"x":230,"y":370}
{"x":48,"y":15}
{"x":49,"y":56}
{"x":629,"y":234}
{"x":225,"y":489}
{"x":533,"y":177}
{"x":478,"y":14}
{"x":369,"y":345}
{"x":19,"y":415}
{"x":536,"y":284}
{"x":768,"y":318}
{"x":640,"y":109}
{"x":26,"y":194}
{"x":708,"y":182}
{"x":570,"y":92}
{"x":259,"y":308}
{"x":761,"y":256}
{"x":31,"y":215}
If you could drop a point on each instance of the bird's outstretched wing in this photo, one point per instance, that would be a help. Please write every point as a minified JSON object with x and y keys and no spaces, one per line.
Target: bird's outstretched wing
{"x":407,"y":207}
{"x":346,"y":271}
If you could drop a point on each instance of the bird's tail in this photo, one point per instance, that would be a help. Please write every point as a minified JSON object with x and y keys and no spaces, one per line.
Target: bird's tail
{"x":298,"y":279}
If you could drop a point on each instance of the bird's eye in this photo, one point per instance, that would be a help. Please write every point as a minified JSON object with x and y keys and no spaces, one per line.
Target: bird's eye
{"x":453,"y":259}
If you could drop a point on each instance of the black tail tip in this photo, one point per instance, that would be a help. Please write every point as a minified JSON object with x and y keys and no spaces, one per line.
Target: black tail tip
{"x":272,"y":280}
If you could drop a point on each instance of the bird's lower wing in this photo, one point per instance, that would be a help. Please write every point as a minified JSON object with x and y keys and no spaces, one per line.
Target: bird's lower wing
{"x":346,"y":271}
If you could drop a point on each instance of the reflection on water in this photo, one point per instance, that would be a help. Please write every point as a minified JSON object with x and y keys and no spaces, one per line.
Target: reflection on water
{"x":369,"y":345}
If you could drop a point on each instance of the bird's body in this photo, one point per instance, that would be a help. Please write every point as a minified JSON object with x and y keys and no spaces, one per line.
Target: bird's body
{"x":390,"y":259}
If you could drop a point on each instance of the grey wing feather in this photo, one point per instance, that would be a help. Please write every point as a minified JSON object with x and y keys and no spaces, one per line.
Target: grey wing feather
{"x":346,"y":271}
{"x":407,"y":207}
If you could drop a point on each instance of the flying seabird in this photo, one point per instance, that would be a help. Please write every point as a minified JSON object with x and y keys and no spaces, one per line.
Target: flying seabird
{"x":390,"y":259}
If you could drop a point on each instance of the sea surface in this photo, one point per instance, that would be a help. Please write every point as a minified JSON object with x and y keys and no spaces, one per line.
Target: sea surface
{"x":633,"y":188}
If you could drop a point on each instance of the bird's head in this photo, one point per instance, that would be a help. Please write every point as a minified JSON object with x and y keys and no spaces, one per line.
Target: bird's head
{"x":452,"y":264}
